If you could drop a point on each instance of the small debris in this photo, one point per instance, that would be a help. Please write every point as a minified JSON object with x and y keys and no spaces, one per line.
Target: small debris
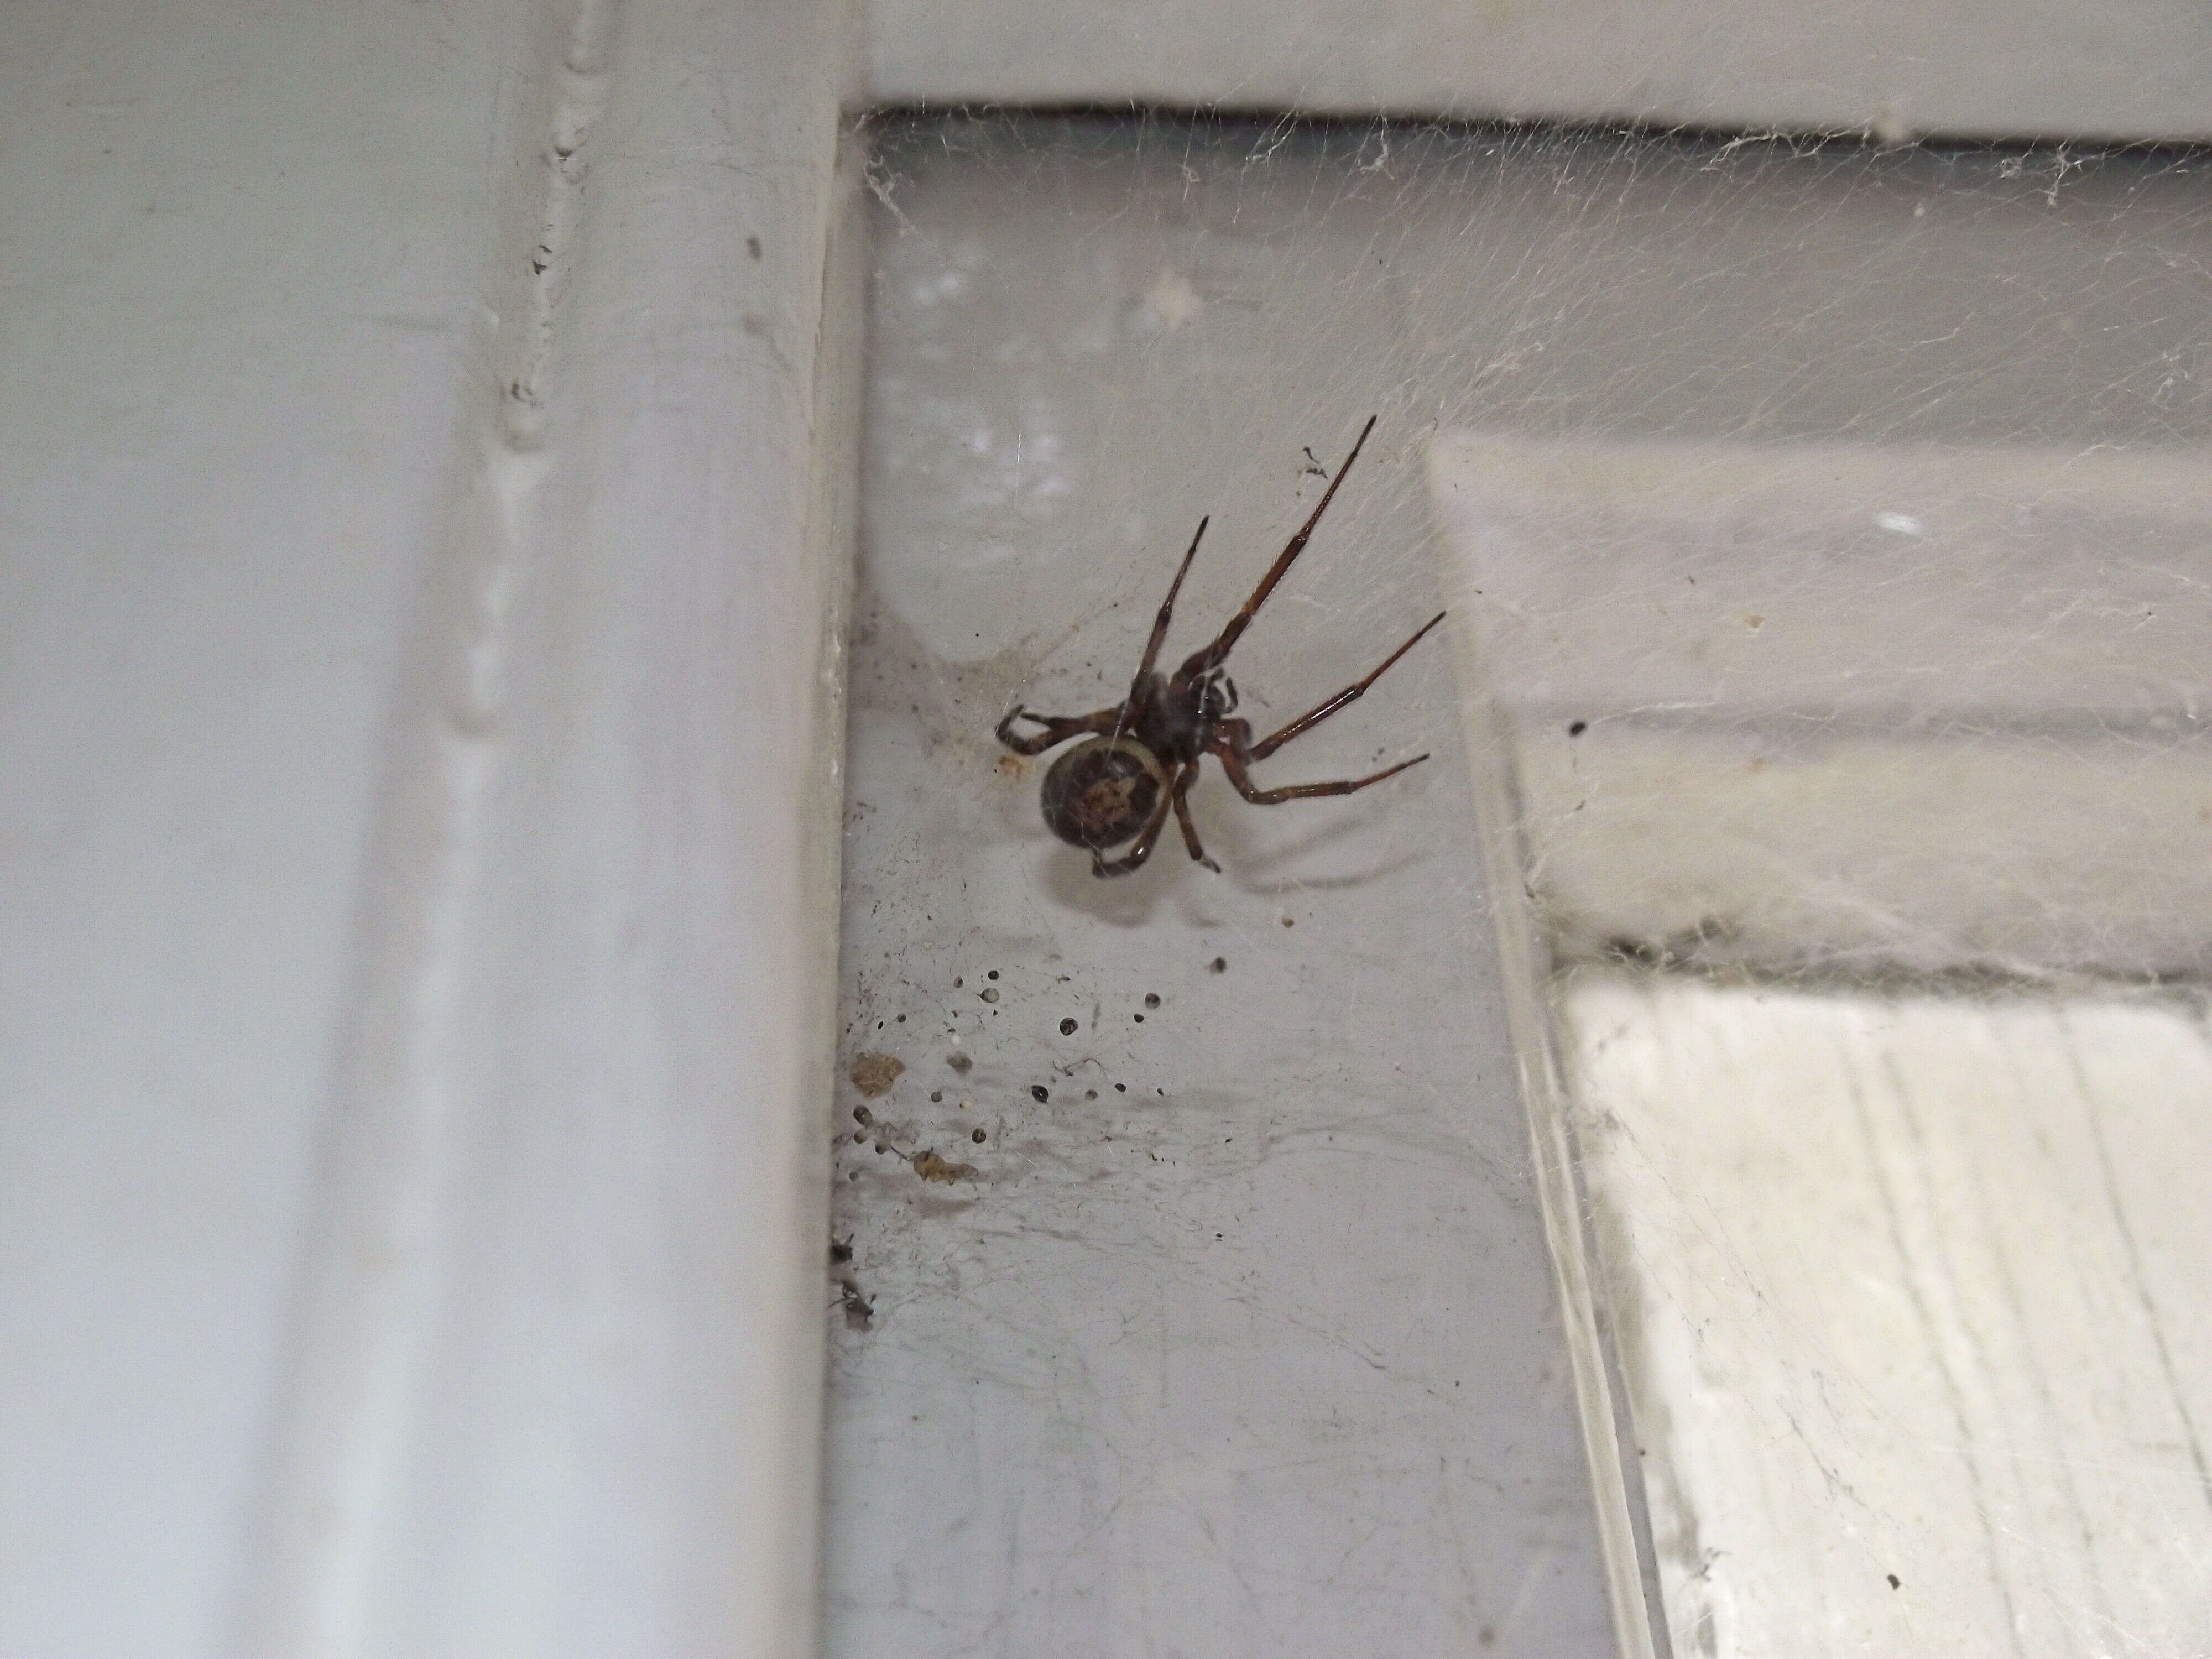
{"x":1068,"y":1028}
{"x":960,"y":1062}
{"x":990,"y":994}
{"x":936,"y":1096}
{"x":930,"y":1167}
{"x":1219,"y":964}
{"x":993,"y":974}
{"x":1288,"y":922}
{"x":1151,"y":998}
{"x":1039,"y":1093}
{"x":1090,"y":1094}
{"x":1012,"y":766}
{"x":957,"y":982}
{"x":1895,"y":1583}
{"x":977,"y":1136}
{"x":1576,"y":729}
{"x":858,"y":1311}
{"x":873,"y":1074}
{"x":862,"y":1114}
{"x":840,"y":1249}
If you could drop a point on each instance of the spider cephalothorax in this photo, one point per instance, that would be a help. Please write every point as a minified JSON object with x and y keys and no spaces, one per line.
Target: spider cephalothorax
{"x":1138,"y":759}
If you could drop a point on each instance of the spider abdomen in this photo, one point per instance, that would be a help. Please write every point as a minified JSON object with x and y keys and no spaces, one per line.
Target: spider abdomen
{"x":1102,"y":792}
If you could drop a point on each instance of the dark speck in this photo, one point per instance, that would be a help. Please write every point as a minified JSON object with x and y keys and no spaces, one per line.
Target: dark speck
{"x":960,"y":1062}
{"x":1068,"y":1028}
{"x":1288,"y":922}
{"x":957,"y":984}
{"x":993,"y":974}
{"x":1121,"y":1088}
{"x":935,"y":1096}
{"x":1220,"y":964}
{"x":902,"y":1019}
{"x":977,"y":1136}
{"x":1577,"y":728}
{"x":861,"y":1114}
{"x":753,"y":246}
{"x":840,"y":1250}
{"x":1090,"y":1094}
{"x":1038,"y":1092}
{"x":1140,"y":1019}
{"x":1151,"y":998}
{"x":1895,"y":1583}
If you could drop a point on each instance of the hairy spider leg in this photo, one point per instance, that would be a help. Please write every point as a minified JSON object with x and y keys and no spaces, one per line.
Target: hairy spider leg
{"x":1232,"y":762}
{"x":1141,"y":848}
{"x":1212,"y":657}
{"x":1350,"y":694}
{"x":1184,"y":779}
{"x":1167,"y":605}
{"x":1058,"y":728}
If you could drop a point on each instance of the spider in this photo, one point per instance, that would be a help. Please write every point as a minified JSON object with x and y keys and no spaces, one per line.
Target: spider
{"x":1140,"y":757}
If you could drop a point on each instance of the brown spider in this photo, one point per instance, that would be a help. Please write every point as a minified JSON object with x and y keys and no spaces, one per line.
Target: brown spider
{"x":1143,"y":754}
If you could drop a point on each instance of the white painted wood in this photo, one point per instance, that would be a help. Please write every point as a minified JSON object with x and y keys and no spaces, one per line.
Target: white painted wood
{"x":1895,"y":69}
{"x":421,"y":466}
{"x":241,"y":254}
{"x":1913,"y":1298}
{"x":559,"y":1387}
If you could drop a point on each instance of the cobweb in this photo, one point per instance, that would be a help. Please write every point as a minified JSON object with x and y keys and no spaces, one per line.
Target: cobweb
{"x":1817,"y":755}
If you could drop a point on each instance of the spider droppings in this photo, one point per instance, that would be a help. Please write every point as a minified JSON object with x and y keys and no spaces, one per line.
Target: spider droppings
{"x":1576,"y":729}
{"x":1151,"y":998}
{"x":1039,"y":1093}
{"x":976,"y":1135}
{"x":1218,"y":965}
{"x":1068,"y":1028}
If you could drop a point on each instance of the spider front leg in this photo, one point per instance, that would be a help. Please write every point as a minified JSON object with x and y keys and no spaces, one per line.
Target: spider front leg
{"x":1058,"y":728}
{"x":1233,"y":745}
{"x":1184,"y":779}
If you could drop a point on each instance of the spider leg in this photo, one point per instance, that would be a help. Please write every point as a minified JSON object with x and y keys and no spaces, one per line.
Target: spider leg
{"x":1232,"y":762}
{"x":1184,"y":779}
{"x":1212,"y":656}
{"x":1058,"y":728}
{"x":1167,"y":605}
{"x":1315,"y":716}
{"x":1141,"y":848}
